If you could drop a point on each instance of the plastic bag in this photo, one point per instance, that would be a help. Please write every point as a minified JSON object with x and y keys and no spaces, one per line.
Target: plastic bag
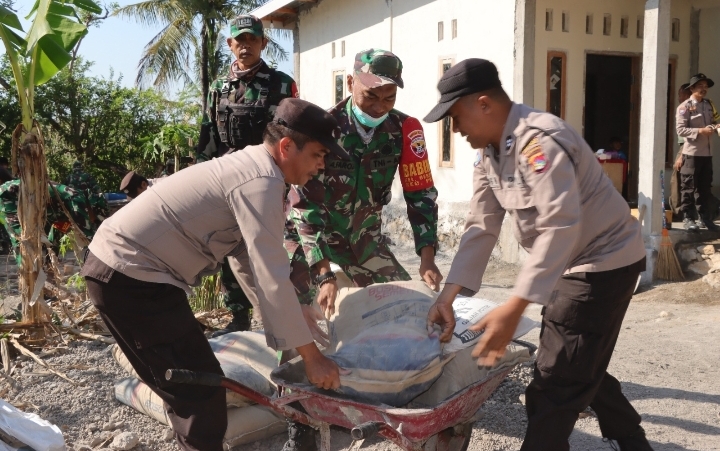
{"x":27,"y":429}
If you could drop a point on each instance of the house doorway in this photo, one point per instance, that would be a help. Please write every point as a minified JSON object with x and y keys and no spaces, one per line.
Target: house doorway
{"x":612,"y":101}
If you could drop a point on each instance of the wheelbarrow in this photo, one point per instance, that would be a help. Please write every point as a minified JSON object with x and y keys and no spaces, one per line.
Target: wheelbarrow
{"x":444,"y":427}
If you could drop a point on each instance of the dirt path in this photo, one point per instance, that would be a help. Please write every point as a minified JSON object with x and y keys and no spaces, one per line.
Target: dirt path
{"x":667,"y":358}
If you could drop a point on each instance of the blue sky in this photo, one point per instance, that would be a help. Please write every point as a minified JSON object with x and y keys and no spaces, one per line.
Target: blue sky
{"x":118,"y":44}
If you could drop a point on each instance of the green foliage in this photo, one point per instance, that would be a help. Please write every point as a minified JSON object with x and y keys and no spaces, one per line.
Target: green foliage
{"x":208,"y":296}
{"x":77,"y":281}
{"x":100,"y":122}
{"x":54,"y":31}
{"x":191,"y":48}
{"x":66,"y":244}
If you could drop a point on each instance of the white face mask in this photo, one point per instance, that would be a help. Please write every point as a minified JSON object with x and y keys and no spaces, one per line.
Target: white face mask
{"x":367,"y":120}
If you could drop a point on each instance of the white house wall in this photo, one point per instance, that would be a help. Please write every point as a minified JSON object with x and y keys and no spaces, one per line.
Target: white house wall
{"x":485,"y":30}
{"x":576,"y":43}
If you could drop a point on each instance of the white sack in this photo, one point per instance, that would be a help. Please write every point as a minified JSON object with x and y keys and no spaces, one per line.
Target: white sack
{"x":468,"y":311}
{"x":243,"y":356}
{"x":245,"y":424}
{"x":28,"y":429}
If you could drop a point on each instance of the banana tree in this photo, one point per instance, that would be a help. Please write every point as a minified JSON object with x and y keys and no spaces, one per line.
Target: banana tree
{"x":46,"y":48}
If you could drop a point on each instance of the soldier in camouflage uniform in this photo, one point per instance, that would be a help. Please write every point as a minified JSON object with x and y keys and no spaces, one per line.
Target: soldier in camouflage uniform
{"x":97,"y":208}
{"x":74,"y":201}
{"x":239,"y":107}
{"x":336,"y":216}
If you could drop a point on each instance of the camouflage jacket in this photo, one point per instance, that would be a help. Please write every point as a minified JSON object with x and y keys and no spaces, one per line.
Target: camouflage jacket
{"x":74,"y":201}
{"x":343,"y":203}
{"x":86,"y":183}
{"x":263,"y":86}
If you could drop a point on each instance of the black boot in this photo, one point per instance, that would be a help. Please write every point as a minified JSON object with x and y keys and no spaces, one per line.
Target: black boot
{"x":300,"y":437}
{"x":634,"y":442}
{"x":239,"y":323}
{"x":711,"y":226}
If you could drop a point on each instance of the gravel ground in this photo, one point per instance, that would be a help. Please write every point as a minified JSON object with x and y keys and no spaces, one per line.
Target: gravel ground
{"x":666,"y":358}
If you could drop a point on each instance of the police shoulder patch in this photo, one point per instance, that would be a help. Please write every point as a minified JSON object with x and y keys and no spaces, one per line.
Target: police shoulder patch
{"x":534,"y":155}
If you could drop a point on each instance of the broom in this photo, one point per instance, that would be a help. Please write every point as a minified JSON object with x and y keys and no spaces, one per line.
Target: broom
{"x":667,"y":267}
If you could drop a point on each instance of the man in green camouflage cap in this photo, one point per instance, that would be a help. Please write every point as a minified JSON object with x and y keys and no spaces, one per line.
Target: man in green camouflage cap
{"x":337,"y":216}
{"x":239,"y":107}
{"x":97,"y":207}
{"x":74,"y":201}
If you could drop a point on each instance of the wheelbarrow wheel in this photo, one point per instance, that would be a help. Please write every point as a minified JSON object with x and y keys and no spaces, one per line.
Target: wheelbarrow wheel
{"x":451,"y":439}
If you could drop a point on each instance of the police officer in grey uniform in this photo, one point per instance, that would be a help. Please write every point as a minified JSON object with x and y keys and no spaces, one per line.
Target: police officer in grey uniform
{"x":585,"y":254}
{"x":696,"y":123}
{"x":146,"y":256}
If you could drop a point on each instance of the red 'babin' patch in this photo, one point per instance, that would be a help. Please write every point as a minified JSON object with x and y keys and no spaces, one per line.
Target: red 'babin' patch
{"x":414,"y":168}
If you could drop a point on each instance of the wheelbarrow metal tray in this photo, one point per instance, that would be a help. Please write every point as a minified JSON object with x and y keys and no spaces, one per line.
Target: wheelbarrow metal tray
{"x":415,"y":424}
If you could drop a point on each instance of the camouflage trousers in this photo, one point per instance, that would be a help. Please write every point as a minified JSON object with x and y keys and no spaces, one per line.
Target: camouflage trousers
{"x":382,"y":266}
{"x":235,"y":298}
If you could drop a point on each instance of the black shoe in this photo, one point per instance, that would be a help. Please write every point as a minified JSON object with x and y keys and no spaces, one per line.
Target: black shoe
{"x":634,"y":442}
{"x":690,"y":225}
{"x":711,"y":226}
{"x":239,"y":323}
{"x":300,"y":437}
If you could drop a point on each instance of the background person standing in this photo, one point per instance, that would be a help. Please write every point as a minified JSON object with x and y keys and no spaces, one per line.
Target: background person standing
{"x":695,"y":122}
{"x":239,"y":107}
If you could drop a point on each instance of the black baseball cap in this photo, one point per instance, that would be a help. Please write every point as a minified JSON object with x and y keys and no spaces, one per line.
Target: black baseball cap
{"x":466,"y":77}
{"x":131,"y":182}
{"x":308,"y":119}
{"x":698,"y":78}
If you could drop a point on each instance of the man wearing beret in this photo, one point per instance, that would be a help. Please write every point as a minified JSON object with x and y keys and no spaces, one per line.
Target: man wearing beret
{"x":238,"y":108}
{"x":585,"y":254}
{"x":696,"y":121}
{"x":148,"y":254}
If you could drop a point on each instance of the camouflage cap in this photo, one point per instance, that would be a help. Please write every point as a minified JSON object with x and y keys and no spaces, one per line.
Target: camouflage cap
{"x":375,"y":67}
{"x":246,"y":24}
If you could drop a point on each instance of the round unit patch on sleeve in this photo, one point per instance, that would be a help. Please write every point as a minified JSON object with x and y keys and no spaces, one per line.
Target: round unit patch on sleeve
{"x":535,"y":157}
{"x":414,"y":165}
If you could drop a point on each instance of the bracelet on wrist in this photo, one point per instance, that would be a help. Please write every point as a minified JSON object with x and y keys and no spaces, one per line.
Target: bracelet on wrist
{"x":324,"y":278}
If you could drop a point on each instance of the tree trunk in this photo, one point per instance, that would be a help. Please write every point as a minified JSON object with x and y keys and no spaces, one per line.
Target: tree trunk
{"x":28,"y":156}
{"x":204,"y":58}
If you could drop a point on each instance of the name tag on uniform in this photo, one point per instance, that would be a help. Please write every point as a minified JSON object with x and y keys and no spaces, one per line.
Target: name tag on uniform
{"x":384,"y":162}
{"x":493,"y":182}
{"x":341,"y":165}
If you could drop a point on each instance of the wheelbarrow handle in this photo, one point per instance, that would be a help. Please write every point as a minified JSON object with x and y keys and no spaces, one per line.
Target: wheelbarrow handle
{"x":531,"y":347}
{"x":193,"y":378}
{"x":366,"y":430}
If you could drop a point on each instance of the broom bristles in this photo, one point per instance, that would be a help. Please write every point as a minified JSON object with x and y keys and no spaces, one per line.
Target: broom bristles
{"x":668,"y":267}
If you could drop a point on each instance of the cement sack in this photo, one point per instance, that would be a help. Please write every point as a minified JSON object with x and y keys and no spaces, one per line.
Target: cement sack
{"x":468,"y":311}
{"x":245,"y":424}
{"x":380,"y":334}
{"x":20,"y":431}
{"x":243,"y":356}
{"x":463,"y":371}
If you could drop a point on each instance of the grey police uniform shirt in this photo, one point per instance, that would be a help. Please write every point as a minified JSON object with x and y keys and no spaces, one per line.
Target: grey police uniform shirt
{"x":565,"y":211}
{"x":183,"y":228}
{"x":691,"y":116}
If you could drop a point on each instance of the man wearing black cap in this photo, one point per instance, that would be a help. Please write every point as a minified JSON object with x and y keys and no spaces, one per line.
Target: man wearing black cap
{"x":585,"y":252}
{"x":148,"y":254}
{"x":238,"y":108}
{"x":134,"y":184}
{"x":696,"y":121}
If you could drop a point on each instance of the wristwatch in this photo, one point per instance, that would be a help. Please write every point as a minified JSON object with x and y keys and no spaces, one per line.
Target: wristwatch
{"x":324,"y":278}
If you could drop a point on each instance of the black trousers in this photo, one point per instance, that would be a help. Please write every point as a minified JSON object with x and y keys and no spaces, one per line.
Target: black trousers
{"x":156,"y":329}
{"x":696,"y":177}
{"x":580,"y":327}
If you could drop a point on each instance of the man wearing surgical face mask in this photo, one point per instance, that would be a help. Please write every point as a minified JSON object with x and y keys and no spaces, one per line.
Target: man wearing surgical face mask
{"x":336,"y":216}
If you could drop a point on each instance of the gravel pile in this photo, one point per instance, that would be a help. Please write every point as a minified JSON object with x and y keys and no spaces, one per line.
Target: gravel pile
{"x":88,"y":414}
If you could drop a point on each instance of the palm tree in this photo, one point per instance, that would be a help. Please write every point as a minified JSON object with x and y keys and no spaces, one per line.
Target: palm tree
{"x":191,"y":45}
